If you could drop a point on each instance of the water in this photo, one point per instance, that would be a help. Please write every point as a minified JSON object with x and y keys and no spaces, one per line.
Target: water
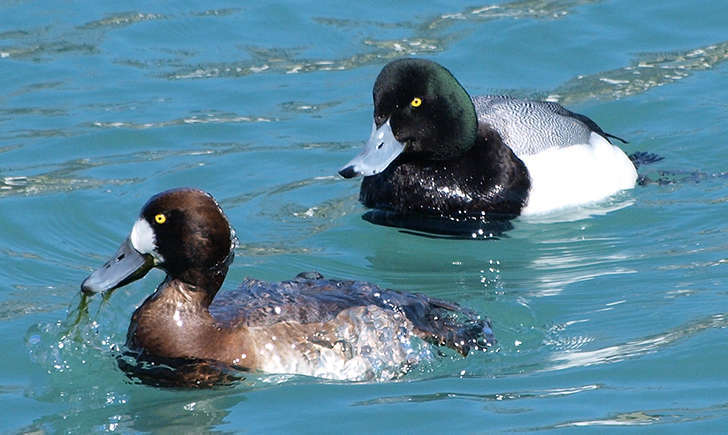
{"x":615,"y":315}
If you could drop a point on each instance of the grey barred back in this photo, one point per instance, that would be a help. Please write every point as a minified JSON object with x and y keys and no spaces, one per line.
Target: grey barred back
{"x":529,"y":127}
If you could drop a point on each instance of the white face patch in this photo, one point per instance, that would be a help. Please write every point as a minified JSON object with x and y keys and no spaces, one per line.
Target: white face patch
{"x":143,"y":238}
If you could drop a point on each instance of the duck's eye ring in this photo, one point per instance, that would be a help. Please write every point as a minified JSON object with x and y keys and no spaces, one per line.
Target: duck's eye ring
{"x":416,"y":102}
{"x":160,"y":218}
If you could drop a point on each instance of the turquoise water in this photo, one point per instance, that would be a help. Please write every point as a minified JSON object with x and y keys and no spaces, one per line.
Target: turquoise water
{"x":611,"y":316}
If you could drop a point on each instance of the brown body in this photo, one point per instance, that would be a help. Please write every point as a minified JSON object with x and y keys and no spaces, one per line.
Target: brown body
{"x":175,"y":322}
{"x":186,"y":334}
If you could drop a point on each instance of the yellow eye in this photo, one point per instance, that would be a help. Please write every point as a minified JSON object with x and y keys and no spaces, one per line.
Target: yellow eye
{"x":416,"y":102}
{"x":160,"y":218}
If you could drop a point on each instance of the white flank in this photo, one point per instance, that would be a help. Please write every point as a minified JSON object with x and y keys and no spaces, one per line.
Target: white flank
{"x":576,"y":175}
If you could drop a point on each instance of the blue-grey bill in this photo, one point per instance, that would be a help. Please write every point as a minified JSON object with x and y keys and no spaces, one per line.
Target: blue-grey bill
{"x":380,"y":150}
{"x":125,"y":266}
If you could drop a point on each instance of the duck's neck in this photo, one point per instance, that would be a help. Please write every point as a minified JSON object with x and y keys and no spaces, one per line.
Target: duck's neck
{"x":197,"y":285}
{"x":175,"y":322}
{"x":172,"y":322}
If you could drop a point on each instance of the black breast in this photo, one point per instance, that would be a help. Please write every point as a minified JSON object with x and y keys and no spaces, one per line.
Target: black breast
{"x":488,"y":180}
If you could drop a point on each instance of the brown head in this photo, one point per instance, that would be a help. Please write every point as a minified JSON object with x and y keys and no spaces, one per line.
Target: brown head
{"x":183,"y":232}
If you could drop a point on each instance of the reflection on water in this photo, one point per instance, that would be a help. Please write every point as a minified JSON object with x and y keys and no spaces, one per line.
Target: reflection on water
{"x":210,"y":118}
{"x":78,"y":351}
{"x":144,"y":411}
{"x":646,"y":72}
{"x":652,"y":416}
{"x":120,"y":20}
{"x":105,"y":105}
{"x":637,"y":418}
{"x":491,"y":227}
{"x":580,"y":257}
{"x":428,"y":37}
{"x":567,"y":359}
{"x":54,"y":181}
{"x":498,"y":397}
{"x":19,"y":307}
{"x":519,"y":9}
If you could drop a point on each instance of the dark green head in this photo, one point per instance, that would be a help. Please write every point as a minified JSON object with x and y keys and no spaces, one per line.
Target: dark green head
{"x":419,"y":109}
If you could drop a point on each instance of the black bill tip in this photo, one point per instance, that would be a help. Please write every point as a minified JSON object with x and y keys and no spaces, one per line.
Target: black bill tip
{"x":348,"y":172}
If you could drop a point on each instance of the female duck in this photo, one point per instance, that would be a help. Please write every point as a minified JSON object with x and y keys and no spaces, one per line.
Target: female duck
{"x":310,"y":325}
{"x":435,"y":152}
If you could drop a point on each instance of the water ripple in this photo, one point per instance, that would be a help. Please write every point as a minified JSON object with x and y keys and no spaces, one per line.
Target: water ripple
{"x":39,"y":49}
{"x":286,"y":61}
{"x":32,"y":111}
{"x":122,"y":19}
{"x":648,"y":417}
{"x":53,"y":40}
{"x":519,"y":9}
{"x":64,"y":179}
{"x":217,"y":12}
{"x":303,"y":107}
{"x":210,"y":118}
{"x":426,"y":38}
{"x":51,"y":183}
{"x":649,"y":70}
{"x":493,"y":397}
{"x":273,"y":248}
{"x":281,"y":188}
{"x":612,"y":354}
{"x":20,"y":306}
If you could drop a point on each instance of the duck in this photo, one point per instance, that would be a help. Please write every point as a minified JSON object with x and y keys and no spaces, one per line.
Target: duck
{"x":435,"y":152}
{"x":312,"y":326}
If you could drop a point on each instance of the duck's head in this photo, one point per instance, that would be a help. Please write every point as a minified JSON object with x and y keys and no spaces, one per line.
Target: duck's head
{"x":182,"y":231}
{"x":421,"y":111}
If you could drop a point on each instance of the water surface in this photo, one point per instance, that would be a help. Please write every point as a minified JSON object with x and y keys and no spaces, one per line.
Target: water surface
{"x":614,"y":315}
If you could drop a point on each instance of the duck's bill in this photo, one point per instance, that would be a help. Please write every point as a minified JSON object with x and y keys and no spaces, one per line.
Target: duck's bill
{"x":126,"y":266}
{"x":380,"y":150}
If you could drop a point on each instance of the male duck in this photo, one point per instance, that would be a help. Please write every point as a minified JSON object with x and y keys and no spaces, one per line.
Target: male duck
{"x":435,"y":152}
{"x":313,"y":326}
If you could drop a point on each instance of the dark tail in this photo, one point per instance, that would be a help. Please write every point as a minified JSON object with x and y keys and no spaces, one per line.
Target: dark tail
{"x":590,"y":123}
{"x":447,"y":324}
{"x":604,"y":133}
